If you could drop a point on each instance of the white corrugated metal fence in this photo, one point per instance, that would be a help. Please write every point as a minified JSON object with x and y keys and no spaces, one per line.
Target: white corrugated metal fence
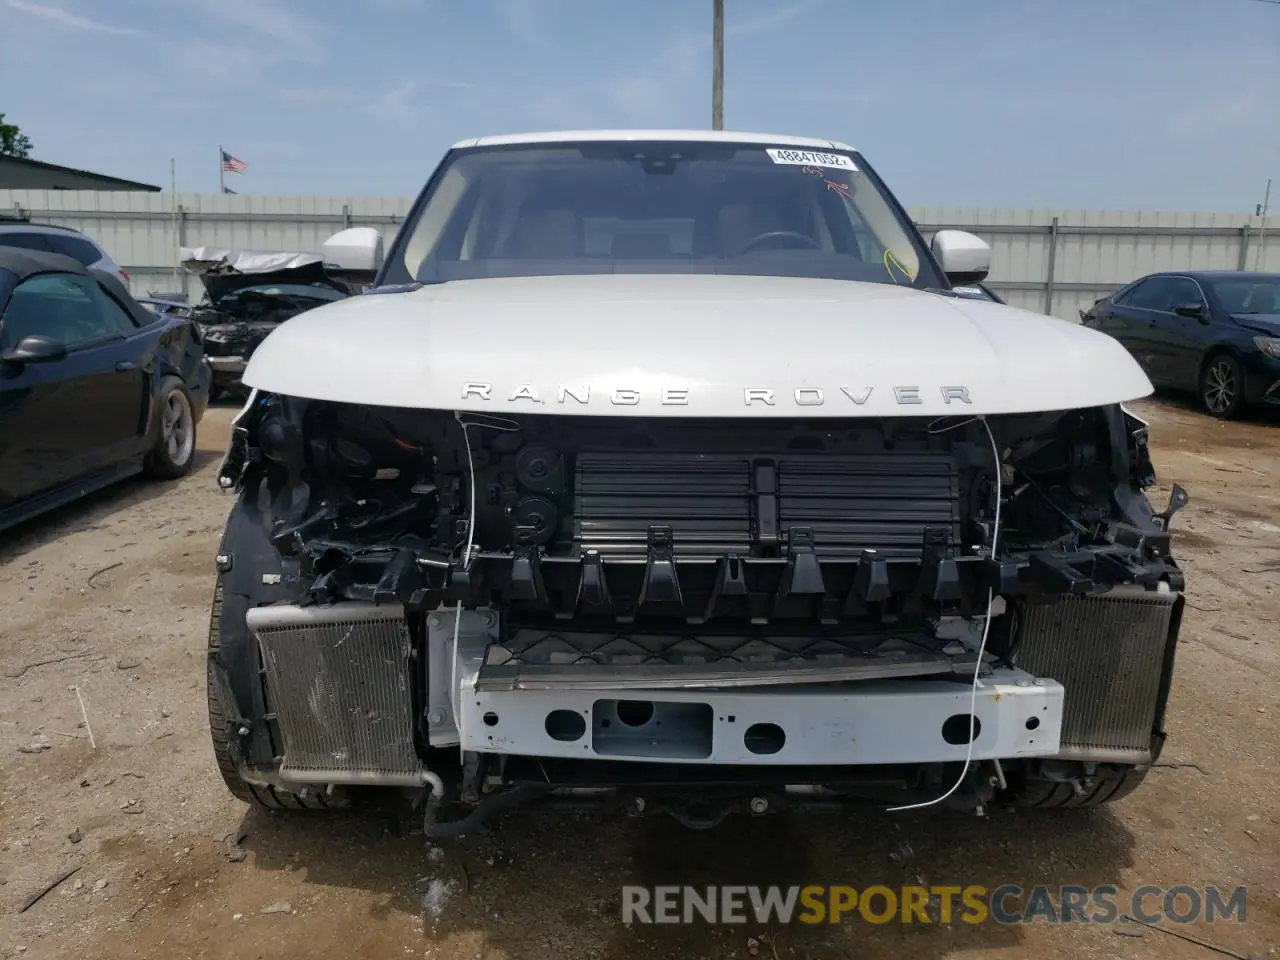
{"x":1055,"y":261}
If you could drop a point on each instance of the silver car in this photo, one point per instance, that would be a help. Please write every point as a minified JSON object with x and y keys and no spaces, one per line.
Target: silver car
{"x":50,"y":238}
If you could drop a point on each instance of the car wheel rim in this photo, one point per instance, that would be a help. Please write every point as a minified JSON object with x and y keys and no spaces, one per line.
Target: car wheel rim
{"x":1220,"y":387}
{"x":179,"y":436}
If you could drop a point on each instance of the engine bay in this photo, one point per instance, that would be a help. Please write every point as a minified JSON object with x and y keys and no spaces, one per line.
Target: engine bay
{"x":555,"y":518}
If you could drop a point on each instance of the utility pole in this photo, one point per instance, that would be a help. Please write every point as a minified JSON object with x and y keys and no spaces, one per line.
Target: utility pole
{"x":717,"y":70}
{"x":1262,"y":227}
{"x":173,"y":203}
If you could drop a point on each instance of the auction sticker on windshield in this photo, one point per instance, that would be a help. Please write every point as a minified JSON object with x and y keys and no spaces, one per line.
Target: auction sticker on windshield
{"x":810,"y":158}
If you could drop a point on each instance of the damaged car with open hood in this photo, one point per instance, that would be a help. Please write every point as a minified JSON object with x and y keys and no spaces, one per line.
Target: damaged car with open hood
{"x":666,"y":471}
{"x":247,"y":295}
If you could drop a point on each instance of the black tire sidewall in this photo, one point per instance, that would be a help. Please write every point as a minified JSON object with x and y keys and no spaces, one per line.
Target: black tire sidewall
{"x":233,"y":653}
{"x":162,"y":466}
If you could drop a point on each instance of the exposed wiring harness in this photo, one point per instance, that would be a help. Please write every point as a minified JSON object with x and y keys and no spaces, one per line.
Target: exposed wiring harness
{"x":986,"y":626}
{"x":488,"y":423}
{"x":466,"y":562}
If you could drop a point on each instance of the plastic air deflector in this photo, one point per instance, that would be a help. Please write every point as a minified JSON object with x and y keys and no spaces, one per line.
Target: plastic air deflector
{"x":594,"y":589}
{"x":939,"y":573}
{"x":661,"y":590}
{"x":526,"y":572}
{"x":871,"y":581}
{"x":728,"y":595}
{"x":803,"y":573}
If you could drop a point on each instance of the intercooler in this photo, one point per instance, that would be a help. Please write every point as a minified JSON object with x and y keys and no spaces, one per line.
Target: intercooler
{"x":1109,"y":653}
{"x":339,"y":683}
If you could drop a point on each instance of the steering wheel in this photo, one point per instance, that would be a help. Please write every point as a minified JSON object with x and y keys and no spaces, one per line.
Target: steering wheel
{"x":805,"y":242}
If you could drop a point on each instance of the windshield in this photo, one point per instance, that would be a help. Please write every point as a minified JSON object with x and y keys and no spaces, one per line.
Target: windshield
{"x":1249,"y":296}
{"x":668,"y":207}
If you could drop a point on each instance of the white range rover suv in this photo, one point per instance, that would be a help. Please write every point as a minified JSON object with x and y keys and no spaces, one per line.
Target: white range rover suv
{"x":667,"y":468}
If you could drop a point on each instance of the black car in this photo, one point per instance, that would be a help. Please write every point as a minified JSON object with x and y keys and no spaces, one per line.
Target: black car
{"x":93,"y":387}
{"x":1216,"y":332}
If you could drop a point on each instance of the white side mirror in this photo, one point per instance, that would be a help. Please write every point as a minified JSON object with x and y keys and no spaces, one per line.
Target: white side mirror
{"x":963,"y":257}
{"x":353,"y":254}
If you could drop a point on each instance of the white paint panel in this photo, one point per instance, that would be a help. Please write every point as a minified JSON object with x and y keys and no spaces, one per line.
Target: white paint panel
{"x":739,"y":346}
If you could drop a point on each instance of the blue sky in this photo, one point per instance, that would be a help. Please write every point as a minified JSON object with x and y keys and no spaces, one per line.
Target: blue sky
{"x":1119,"y":104}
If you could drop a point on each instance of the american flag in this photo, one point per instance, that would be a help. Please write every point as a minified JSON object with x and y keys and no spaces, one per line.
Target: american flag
{"x":232,"y":165}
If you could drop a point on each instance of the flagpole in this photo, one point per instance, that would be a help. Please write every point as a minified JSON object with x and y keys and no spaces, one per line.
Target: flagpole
{"x":222,"y":176}
{"x":173,"y":201}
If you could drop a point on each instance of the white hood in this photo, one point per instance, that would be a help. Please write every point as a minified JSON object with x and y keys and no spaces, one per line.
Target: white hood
{"x":691,"y":346}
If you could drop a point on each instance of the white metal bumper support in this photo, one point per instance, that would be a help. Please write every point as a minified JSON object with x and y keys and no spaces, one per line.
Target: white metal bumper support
{"x":871,"y":722}
{"x":883,"y":722}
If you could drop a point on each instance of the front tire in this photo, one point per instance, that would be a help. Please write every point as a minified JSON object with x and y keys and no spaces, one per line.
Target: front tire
{"x":269,"y":797}
{"x":1222,"y":387}
{"x":1109,"y":784}
{"x":175,"y":447}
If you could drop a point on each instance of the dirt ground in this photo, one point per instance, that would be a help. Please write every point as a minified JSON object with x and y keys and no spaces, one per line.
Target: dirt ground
{"x":109,"y":601}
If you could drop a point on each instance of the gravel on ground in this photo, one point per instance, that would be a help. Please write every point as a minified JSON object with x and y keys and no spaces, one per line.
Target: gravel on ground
{"x":106,"y":604}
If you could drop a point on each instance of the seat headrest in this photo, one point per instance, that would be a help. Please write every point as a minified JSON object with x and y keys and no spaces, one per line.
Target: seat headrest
{"x":546,"y":234}
{"x":640,"y":246}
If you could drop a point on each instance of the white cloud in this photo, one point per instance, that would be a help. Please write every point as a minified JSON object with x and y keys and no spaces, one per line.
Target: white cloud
{"x":315,"y":95}
{"x":767,"y":21}
{"x":227,"y":63}
{"x":646,"y":94}
{"x":260,"y":32}
{"x":530,"y":21}
{"x":291,"y":34}
{"x":68,"y":19}
{"x":396,"y":106}
{"x":1228,"y":112}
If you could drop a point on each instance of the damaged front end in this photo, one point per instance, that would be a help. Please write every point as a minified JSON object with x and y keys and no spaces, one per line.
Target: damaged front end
{"x":247,"y":296}
{"x":694,"y":615}
{"x":228,"y":346}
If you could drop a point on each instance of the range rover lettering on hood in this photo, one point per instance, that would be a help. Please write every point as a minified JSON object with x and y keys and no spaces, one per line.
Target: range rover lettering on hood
{"x":680,"y":396}
{"x":618,"y":345}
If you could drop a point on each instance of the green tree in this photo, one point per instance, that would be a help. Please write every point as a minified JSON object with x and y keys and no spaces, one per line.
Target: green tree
{"x":13,"y":142}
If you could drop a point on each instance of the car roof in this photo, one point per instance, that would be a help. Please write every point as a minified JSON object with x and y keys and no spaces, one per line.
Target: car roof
{"x":30,"y":263}
{"x":27,"y":263}
{"x":697,"y":136}
{"x":24,"y":226}
{"x":1217,"y":274}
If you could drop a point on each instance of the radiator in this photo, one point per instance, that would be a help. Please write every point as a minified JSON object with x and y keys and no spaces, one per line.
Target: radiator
{"x":339,"y":683}
{"x":1109,"y":654}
